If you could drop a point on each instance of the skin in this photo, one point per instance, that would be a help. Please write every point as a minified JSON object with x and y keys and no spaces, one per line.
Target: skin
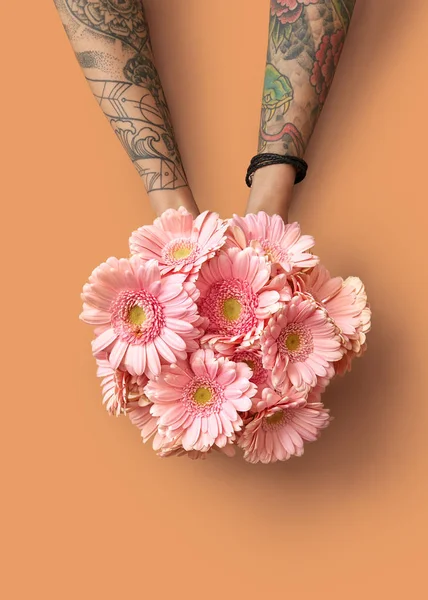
{"x":305,"y":42}
{"x":111,"y":41}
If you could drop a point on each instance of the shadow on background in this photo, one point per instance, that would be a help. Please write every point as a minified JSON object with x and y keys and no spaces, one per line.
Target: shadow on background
{"x":353,"y":446}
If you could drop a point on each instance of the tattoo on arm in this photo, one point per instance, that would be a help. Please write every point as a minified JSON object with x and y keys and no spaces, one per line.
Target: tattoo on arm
{"x":112,"y":45}
{"x":305,"y":42}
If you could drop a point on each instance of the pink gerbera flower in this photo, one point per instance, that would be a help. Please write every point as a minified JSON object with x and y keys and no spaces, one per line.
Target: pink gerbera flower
{"x":315,"y":393}
{"x":120,"y":387}
{"x":179,"y":242}
{"x":140,"y":416}
{"x":140,"y":317}
{"x":253,"y":358}
{"x":300,"y":343}
{"x":340,"y":300}
{"x":345,"y":302}
{"x":282,"y":425}
{"x":358,"y":339}
{"x":282,"y":244}
{"x":233,"y":300}
{"x":270,"y":396}
{"x":198,"y":404}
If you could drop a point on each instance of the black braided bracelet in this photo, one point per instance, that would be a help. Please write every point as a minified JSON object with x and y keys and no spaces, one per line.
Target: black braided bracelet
{"x":264,"y":160}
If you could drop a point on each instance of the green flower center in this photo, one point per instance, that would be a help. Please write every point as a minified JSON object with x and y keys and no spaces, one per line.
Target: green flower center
{"x":202,"y":396}
{"x":182,"y":252}
{"x":137,"y":315}
{"x":275,"y":418}
{"x":292,"y":342}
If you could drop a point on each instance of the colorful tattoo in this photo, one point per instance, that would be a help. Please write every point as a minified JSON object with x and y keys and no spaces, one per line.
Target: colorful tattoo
{"x":305,"y":41}
{"x":112,"y":44}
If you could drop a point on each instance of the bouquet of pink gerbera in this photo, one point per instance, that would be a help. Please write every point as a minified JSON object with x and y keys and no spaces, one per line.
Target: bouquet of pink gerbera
{"x":220,"y":333}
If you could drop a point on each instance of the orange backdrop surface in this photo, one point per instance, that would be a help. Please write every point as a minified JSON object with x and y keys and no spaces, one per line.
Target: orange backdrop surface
{"x":88,"y":511}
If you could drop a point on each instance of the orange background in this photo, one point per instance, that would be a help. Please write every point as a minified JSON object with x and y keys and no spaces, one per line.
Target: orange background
{"x":89,"y":512}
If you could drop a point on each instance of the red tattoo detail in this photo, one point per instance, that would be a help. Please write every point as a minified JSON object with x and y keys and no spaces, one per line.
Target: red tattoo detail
{"x":288,"y":129}
{"x":326,"y":59}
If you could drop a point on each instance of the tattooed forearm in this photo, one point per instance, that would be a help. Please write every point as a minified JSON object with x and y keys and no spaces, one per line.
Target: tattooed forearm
{"x":112,"y":44}
{"x":305,"y":41}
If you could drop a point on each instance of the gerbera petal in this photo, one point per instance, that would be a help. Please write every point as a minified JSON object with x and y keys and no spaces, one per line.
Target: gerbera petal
{"x":153,"y":362}
{"x":117,"y":353}
{"x":164,"y":350}
{"x":191,"y":434}
{"x":179,"y":325}
{"x":268,"y":298}
{"x":103,"y":340}
{"x":172,"y":339}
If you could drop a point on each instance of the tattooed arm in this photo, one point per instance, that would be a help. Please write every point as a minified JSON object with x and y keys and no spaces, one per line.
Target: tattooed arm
{"x":112,"y":44}
{"x":305,"y":41}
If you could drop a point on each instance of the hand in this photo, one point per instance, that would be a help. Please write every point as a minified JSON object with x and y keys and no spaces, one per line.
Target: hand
{"x":272,"y":190}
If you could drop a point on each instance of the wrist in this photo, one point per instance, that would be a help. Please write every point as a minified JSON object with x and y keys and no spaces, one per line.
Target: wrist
{"x":161,"y":200}
{"x":272,"y":190}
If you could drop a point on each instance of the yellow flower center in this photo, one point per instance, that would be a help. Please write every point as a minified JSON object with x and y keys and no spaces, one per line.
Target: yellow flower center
{"x":275,"y":418}
{"x":292,"y":341}
{"x":231,"y":309}
{"x":202,"y":396}
{"x":137,"y":315}
{"x":182,"y":252}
